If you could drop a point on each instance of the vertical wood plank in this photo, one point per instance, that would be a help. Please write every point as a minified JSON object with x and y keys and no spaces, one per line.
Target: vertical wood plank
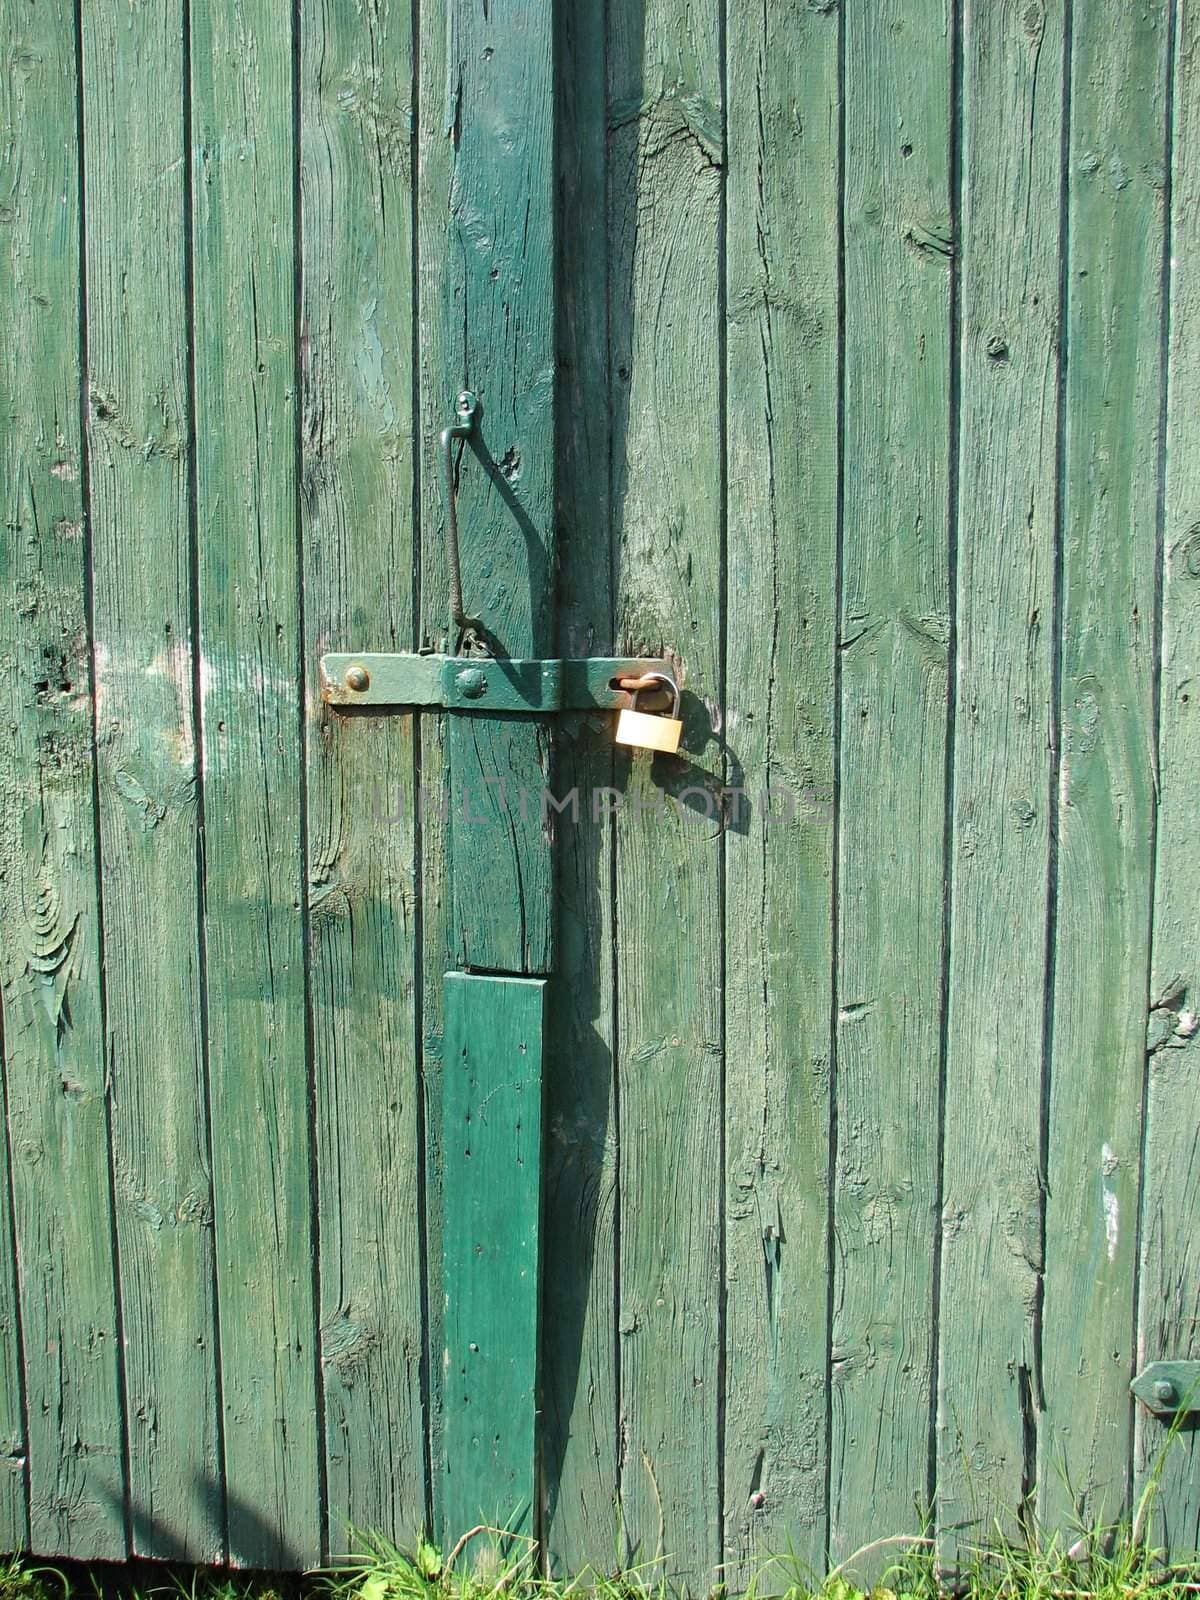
{"x":500,"y":304}
{"x":491,"y":1141}
{"x":782,"y":289}
{"x":490,"y":308}
{"x":57,"y":1138}
{"x":989,"y":1379}
{"x":1169,"y":1310}
{"x":436,"y":357}
{"x":138,"y":439}
{"x":357,"y":108}
{"x":666,"y":157}
{"x":1106,"y":781}
{"x":245,"y":408}
{"x":580,"y":1368}
{"x":895,"y":631}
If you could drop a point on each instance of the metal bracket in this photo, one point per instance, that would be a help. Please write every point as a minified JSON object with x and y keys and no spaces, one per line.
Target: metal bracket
{"x":1169,"y":1388}
{"x":483,"y":683}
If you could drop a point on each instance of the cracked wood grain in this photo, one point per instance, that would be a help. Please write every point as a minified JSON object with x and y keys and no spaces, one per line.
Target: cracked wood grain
{"x":138,"y":442}
{"x":895,"y":561}
{"x":1105,"y":821}
{"x":580,"y":1378}
{"x":358,"y":462}
{"x":989,"y":1376}
{"x":62,"y":1487}
{"x":487,"y":320}
{"x":664,"y":219}
{"x":1169,"y":1306}
{"x":782,"y":289}
{"x":249,"y":732}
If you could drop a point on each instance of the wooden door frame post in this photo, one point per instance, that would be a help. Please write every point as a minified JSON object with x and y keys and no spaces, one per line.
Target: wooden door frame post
{"x":500,"y":300}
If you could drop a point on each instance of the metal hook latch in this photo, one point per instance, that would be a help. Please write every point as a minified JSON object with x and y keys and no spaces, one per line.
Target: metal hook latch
{"x":466,"y":408}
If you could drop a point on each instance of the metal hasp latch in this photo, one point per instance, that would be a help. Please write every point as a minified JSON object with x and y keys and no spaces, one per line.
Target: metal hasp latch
{"x":485,"y":683}
{"x":1169,"y":1388}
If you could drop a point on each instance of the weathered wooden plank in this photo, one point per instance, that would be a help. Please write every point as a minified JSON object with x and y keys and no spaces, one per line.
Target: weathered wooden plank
{"x":49,"y":920}
{"x":580,"y":1384}
{"x":989,"y":1377}
{"x":1169,"y":1309}
{"x":665,"y":154}
{"x":138,"y":435}
{"x":782,"y":409}
{"x":499,"y":290}
{"x":491,"y":1140}
{"x":436,"y":358}
{"x":357,"y":109}
{"x":489,"y":304}
{"x":895,"y":630}
{"x":1106,"y":783}
{"x":245,"y":422}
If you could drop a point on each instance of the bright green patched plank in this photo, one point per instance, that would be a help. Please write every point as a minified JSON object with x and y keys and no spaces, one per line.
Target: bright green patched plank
{"x":49,"y":940}
{"x":356,"y":114}
{"x":579,"y":1360}
{"x":1112,"y":398}
{"x":664,"y":212}
{"x":138,"y":443}
{"x":1169,"y":1313}
{"x":894,"y":638}
{"x":243,"y":230}
{"x":491,"y":1144}
{"x":989,"y":1375}
{"x":782,"y":283}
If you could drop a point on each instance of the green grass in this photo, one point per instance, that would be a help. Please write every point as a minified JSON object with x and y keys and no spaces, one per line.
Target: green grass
{"x":1106,"y":1564}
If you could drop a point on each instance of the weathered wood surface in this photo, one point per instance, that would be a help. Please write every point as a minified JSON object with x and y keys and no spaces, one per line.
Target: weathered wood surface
{"x":70,"y":1499}
{"x":666,"y":158}
{"x":139,"y":440}
{"x":580,"y":1363}
{"x":248,"y":606}
{"x":1006,"y":503}
{"x":810,"y":444}
{"x":498,"y":303}
{"x":781,"y":263}
{"x":1169,"y":1306}
{"x":358,"y":521}
{"x":491,"y":1241}
{"x":1106,"y":779}
{"x":895,"y":637}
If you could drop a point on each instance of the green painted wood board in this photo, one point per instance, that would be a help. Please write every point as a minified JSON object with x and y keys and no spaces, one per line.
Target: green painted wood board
{"x":358,"y":468}
{"x":139,"y":431}
{"x":1105,"y":804}
{"x":1006,"y":504}
{"x":498,"y":290}
{"x":243,"y":231}
{"x":675,"y":366}
{"x":491,"y":1240}
{"x":494,"y":300}
{"x":580,"y":1363}
{"x":1168,"y":1318}
{"x":895,"y":635}
{"x":70,"y":1496}
{"x":664,"y":209}
{"x":781,"y":266}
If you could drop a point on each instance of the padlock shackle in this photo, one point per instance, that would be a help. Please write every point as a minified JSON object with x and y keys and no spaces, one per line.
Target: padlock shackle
{"x":647,"y":681}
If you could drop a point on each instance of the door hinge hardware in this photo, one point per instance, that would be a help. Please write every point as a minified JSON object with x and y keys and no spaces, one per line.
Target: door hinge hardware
{"x":1169,"y":1387}
{"x":489,"y":683}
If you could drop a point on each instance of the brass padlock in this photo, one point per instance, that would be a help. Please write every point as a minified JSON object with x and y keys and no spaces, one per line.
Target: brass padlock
{"x":651,"y":730}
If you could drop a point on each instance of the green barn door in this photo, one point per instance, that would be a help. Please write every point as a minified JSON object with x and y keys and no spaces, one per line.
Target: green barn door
{"x":488,"y":330}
